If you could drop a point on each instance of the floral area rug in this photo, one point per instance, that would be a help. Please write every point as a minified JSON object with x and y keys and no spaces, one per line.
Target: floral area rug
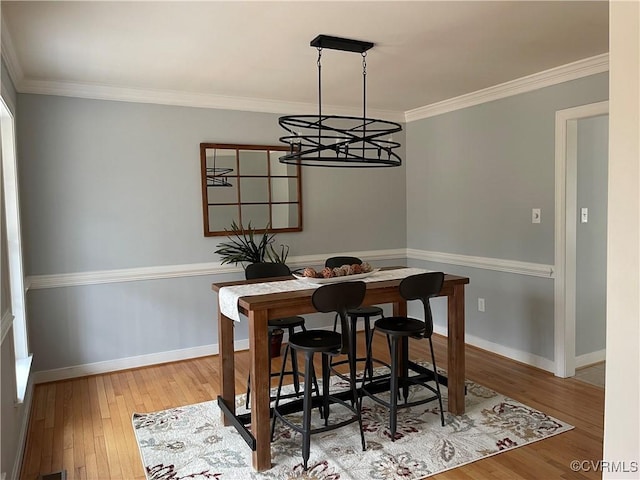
{"x":190,"y":441}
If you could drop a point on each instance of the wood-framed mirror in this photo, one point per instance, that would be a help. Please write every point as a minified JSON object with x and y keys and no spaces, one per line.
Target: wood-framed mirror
{"x":248,"y":184}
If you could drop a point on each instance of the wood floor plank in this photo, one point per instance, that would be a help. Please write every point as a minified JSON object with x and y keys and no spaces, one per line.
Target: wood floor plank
{"x":102,"y":460}
{"x":84,"y":425}
{"x":127,"y":446}
{"x":111,"y":451}
{"x":79,"y":437}
{"x":103,"y":403}
{"x":58,"y":429}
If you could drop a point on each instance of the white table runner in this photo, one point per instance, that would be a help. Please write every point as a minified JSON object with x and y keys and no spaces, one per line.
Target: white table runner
{"x":228,"y":296}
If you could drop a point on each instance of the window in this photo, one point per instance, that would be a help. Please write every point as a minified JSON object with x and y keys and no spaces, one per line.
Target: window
{"x":14,"y":248}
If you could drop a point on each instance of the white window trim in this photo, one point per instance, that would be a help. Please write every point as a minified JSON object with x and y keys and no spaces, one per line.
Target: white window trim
{"x":14,"y":246}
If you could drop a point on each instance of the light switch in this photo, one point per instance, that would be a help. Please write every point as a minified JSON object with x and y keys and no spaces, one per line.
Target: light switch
{"x":535,"y":215}
{"x":584,"y":215}
{"x":481,"y":304}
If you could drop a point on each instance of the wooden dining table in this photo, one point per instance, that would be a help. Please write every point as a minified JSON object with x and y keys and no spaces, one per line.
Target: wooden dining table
{"x":260,"y":308}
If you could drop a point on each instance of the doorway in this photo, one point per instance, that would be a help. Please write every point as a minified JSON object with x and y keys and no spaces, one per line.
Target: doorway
{"x":568,"y":215}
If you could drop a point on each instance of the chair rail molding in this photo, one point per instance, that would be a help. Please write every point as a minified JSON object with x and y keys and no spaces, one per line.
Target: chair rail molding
{"x":485,"y":263}
{"x":37,"y":282}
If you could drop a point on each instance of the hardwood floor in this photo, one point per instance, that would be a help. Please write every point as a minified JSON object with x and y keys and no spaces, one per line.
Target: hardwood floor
{"x":593,"y":374}
{"x":84,"y":425}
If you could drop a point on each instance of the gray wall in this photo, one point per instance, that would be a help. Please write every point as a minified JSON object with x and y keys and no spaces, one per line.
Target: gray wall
{"x":113,"y":185}
{"x":116,"y":185}
{"x":473,"y":176}
{"x":591,"y":237}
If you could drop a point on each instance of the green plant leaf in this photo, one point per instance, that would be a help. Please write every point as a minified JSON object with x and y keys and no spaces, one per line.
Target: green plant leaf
{"x":244,"y":245}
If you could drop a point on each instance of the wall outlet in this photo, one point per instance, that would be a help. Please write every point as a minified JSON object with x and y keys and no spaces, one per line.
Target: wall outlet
{"x":535,"y":215}
{"x":481,"y":304}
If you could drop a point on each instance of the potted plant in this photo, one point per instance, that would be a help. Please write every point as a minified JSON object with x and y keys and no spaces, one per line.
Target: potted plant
{"x":276,"y":342}
{"x":247,"y":246}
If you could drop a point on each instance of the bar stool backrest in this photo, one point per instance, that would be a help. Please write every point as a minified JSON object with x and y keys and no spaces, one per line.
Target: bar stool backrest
{"x":338,"y":298}
{"x":422,"y":287}
{"x":333,"y":262}
{"x":266,"y":270}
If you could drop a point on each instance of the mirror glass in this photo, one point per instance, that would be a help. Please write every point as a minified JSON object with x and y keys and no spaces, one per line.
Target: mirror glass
{"x":247,"y":183}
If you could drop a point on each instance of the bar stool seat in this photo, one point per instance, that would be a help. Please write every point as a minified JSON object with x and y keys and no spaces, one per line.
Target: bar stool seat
{"x":398,"y":331}
{"x":287,"y":322}
{"x":316,"y":341}
{"x":400,"y":326}
{"x":338,"y":298}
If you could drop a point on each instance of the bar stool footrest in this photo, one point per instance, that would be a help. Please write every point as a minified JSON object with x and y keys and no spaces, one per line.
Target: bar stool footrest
{"x":381,"y":384}
{"x":318,"y":402}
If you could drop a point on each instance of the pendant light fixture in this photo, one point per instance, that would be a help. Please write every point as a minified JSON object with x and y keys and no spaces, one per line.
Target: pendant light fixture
{"x":336,"y":140}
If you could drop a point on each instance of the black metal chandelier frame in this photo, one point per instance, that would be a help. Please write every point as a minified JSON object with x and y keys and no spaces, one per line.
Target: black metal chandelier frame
{"x":337,"y":140}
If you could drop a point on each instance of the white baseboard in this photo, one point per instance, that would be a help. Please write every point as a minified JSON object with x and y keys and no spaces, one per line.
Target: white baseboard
{"x":517,"y":355}
{"x":591,"y":358}
{"x":207,"y":350}
{"x":24,"y":429}
{"x":131,"y":362}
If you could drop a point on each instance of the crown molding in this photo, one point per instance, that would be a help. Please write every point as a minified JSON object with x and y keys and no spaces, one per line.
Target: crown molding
{"x":564,"y":73}
{"x":9,"y":55}
{"x":187,"y":99}
{"x":164,"y":97}
{"x":553,"y":76}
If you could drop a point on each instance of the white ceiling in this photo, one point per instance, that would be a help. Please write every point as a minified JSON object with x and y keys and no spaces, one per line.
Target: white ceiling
{"x":425,"y":51}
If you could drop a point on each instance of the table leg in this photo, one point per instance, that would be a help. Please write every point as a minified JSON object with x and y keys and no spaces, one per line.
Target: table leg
{"x":400,"y":308}
{"x":227,"y":364}
{"x":260,"y":385}
{"x":455,"y":340}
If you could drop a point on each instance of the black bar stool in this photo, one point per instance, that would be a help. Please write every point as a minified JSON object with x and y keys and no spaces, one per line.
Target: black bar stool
{"x":366,"y":313}
{"x":270,"y":270}
{"x":399,"y":329}
{"x":337,"y":297}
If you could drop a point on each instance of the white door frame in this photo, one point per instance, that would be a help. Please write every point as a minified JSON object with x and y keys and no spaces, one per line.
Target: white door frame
{"x":566,"y":163}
